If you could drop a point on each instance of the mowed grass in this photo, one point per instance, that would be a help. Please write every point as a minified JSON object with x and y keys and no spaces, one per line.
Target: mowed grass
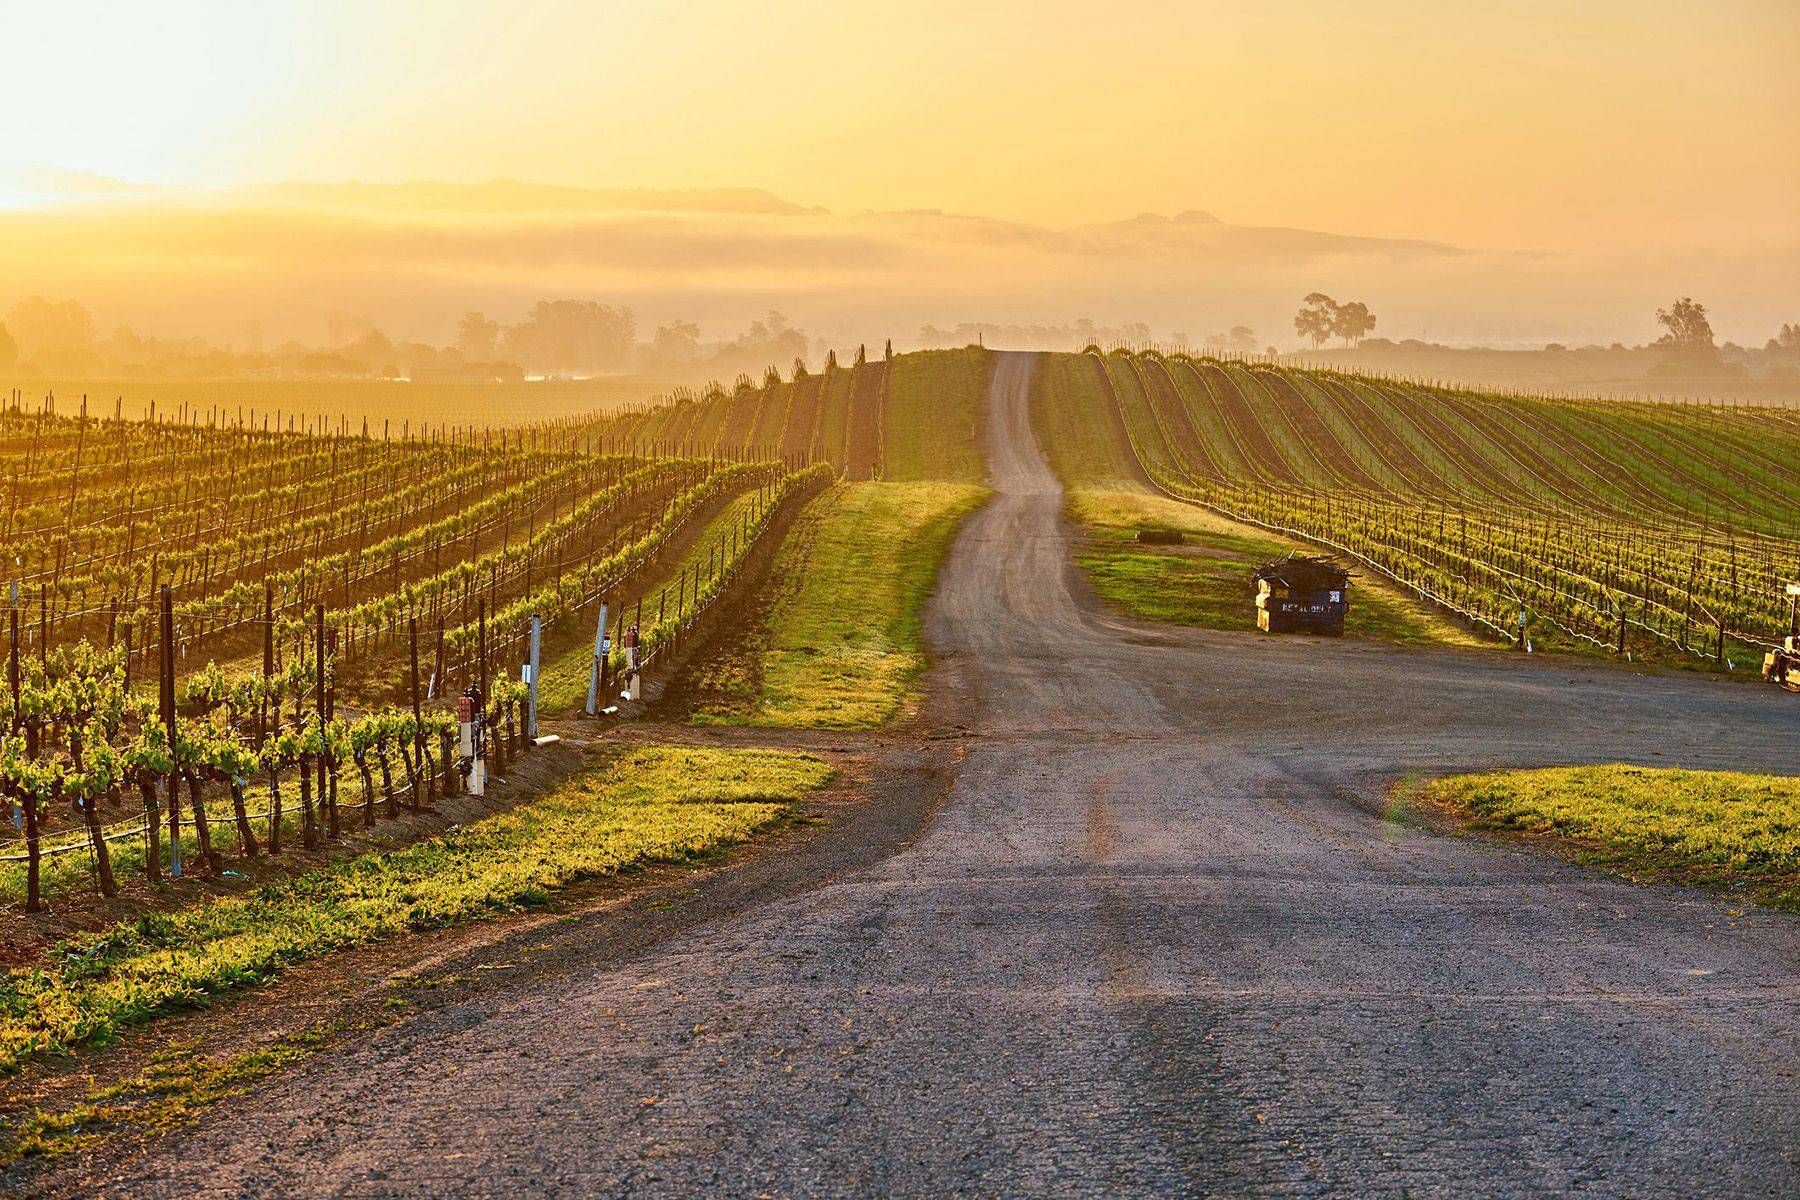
{"x":660,"y":804}
{"x":840,"y":645}
{"x":834,"y":415}
{"x":1705,"y":826}
{"x":1077,"y":430}
{"x":1206,"y":582}
{"x":933,"y":430}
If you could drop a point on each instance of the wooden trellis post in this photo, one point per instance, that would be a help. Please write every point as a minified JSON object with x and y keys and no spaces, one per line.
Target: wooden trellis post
{"x":166,"y":698}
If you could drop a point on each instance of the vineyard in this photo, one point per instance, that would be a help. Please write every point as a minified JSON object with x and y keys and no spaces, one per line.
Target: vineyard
{"x":837,"y":416}
{"x":292,"y":404}
{"x":225,"y":639}
{"x":1616,"y":526}
{"x":229,"y":639}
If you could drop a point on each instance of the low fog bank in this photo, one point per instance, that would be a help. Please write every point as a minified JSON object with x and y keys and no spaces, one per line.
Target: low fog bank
{"x":317,"y":269}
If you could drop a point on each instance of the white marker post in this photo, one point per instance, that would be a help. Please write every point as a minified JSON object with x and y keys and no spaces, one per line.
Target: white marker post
{"x":631,"y":664}
{"x":469,"y":745}
{"x":594,"y":671}
{"x":531,"y":683}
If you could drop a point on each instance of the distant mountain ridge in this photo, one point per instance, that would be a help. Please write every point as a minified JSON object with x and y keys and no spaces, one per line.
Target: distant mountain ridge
{"x":1189,"y":233}
{"x":413,"y":257}
{"x":1194,"y":231}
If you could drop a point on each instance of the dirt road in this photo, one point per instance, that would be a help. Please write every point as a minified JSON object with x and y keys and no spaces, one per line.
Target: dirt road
{"x":1162,"y":939}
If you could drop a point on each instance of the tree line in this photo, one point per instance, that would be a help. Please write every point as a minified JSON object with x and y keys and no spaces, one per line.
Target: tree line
{"x":566,"y":337}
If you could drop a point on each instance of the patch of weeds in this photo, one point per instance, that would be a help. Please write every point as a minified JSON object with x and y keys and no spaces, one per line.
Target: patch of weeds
{"x":167,"y":1094}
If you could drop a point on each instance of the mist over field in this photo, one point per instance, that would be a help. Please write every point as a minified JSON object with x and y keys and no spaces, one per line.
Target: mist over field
{"x":272,"y":263}
{"x":1178,"y":174}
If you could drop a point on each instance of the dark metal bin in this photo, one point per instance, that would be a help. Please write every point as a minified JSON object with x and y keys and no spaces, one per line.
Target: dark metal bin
{"x":1299,"y":594}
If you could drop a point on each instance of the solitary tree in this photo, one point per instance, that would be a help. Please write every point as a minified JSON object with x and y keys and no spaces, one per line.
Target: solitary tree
{"x":1314,"y":320}
{"x":1352,"y":321}
{"x":1690,"y":333}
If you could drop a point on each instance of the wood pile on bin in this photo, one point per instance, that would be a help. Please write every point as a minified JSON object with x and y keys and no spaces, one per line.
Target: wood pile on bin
{"x":1302,"y":594}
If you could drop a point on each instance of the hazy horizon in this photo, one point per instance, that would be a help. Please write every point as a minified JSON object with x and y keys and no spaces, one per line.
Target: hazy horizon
{"x":1551,"y":173}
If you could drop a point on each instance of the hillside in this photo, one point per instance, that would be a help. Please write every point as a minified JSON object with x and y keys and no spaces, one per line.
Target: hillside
{"x":1745,"y":375}
{"x":909,"y":417}
{"x":1632,"y":527}
{"x":1613,"y":525}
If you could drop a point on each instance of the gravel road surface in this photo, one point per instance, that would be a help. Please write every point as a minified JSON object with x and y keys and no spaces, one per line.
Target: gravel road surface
{"x":1162,"y":939}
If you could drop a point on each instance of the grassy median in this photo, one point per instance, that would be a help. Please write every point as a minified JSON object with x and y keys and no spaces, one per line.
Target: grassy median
{"x":840,"y":645}
{"x":934,"y":416}
{"x":661,"y":804}
{"x":1206,"y":580}
{"x":1720,"y":827}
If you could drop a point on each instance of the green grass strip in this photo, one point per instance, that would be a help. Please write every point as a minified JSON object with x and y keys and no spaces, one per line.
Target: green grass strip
{"x":934,"y":416}
{"x":842,"y":645}
{"x":1711,"y":826}
{"x":653,"y":805}
{"x":1207,"y":581}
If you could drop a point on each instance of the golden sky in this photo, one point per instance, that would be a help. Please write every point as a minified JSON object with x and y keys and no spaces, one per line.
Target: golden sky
{"x":1501,"y":125}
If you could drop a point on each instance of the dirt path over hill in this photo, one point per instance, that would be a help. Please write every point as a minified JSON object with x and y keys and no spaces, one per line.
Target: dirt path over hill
{"x":1162,"y":938}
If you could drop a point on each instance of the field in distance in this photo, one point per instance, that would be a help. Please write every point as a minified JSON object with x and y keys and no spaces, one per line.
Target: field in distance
{"x":398,"y":403}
